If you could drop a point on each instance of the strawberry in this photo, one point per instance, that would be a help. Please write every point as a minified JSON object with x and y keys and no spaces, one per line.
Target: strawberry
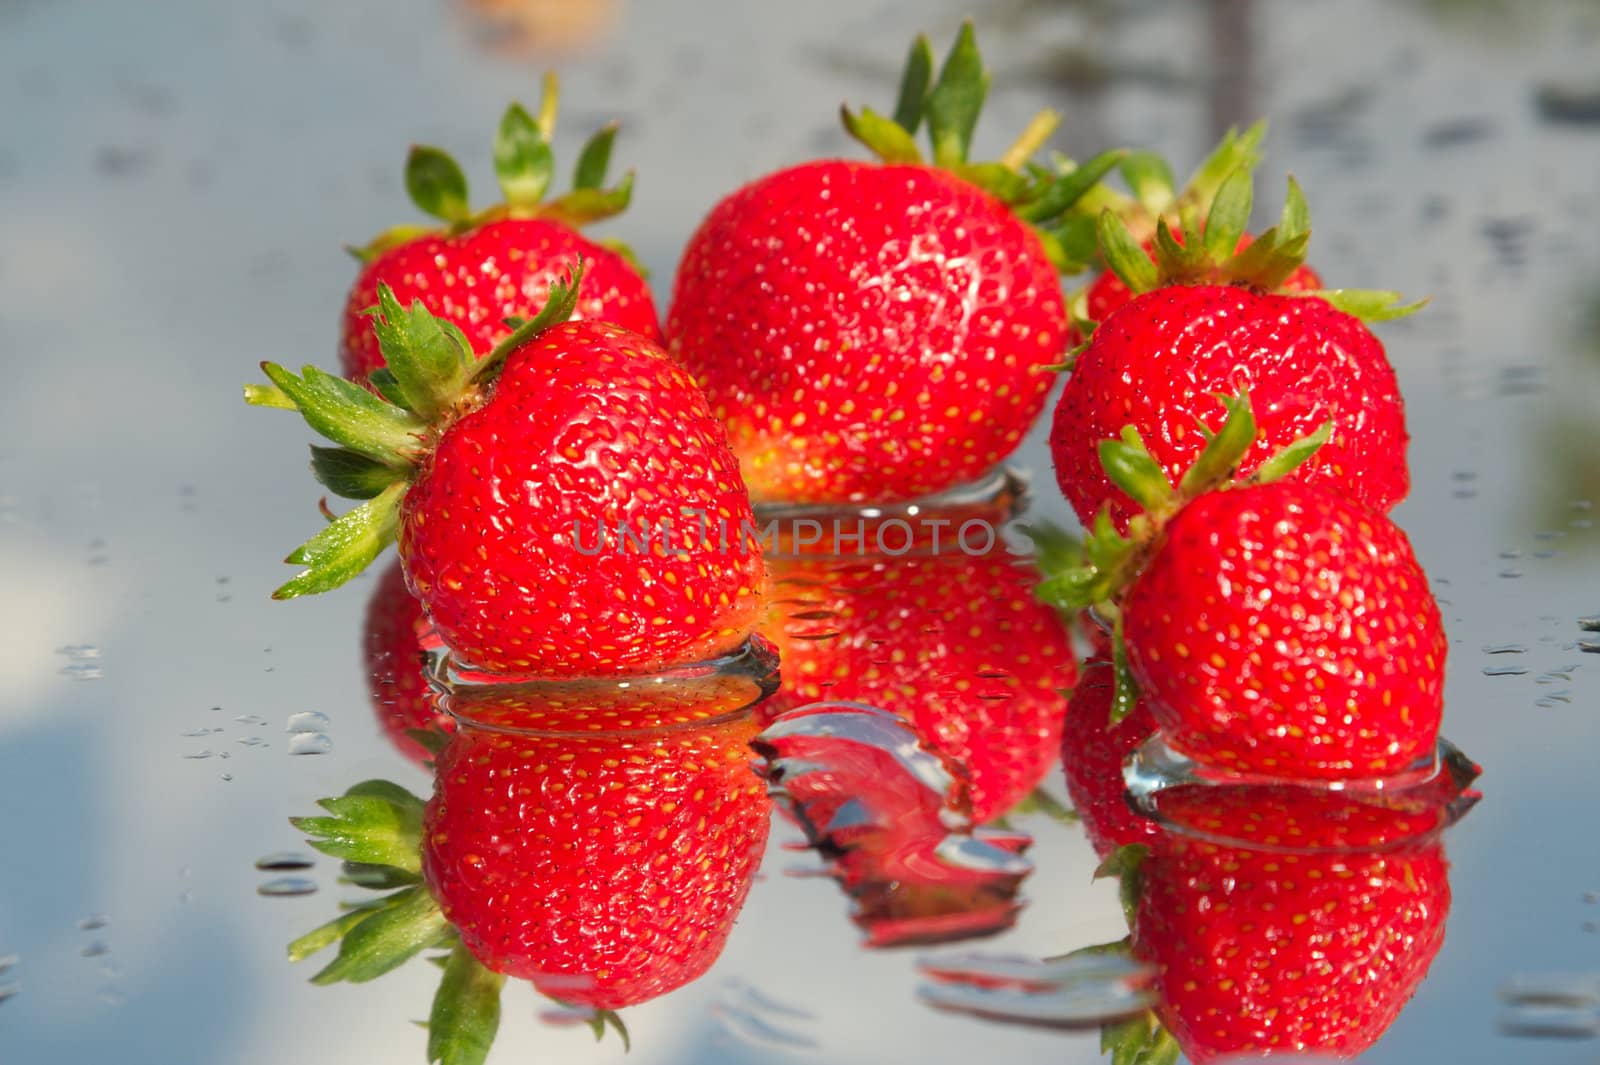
{"x":485,"y":267}
{"x":1093,"y":748}
{"x":877,"y":331}
{"x":1275,"y":627}
{"x":953,"y":643}
{"x":506,"y":480}
{"x":1206,"y":321}
{"x":1266,"y":950}
{"x":595,"y":838}
{"x":396,"y":679}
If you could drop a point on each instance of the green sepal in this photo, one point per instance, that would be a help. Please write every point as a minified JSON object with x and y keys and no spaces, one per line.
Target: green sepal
{"x":326,"y":935}
{"x":1225,"y":449}
{"x":1126,"y":863}
{"x":1270,"y":259}
{"x":1130,"y":467}
{"x":1370,"y":305}
{"x":1053,"y":546}
{"x":383,"y":381}
{"x":375,"y":823}
{"x":595,"y":158}
{"x":1296,"y":218}
{"x":1067,"y":188}
{"x":392,"y":237}
{"x":427,"y":362}
{"x":913,"y":98}
{"x":601,"y":1020}
{"x":348,"y":414}
{"x":1176,"y":261}
{"x":1124,"y":256}
{"x":558,"y":307}
{"x":345,"y":546}
{"x":351,"y":474}
{"x":1235,"y":151}
{"x":431,"y":740}
{"x":377,"y":877}
{"x":1150,"y":180}
{"x":1292,"y":455}
{"x":954,"y":102}
{"x":1229,"y":216}
{"x":883,"y":137}
{"x":436,"y":184}
{"x":1138,"y":1040}
{"x":582,"y":206}
{"x":269,"y":396}
{"x":523,"y":161}
{"x":1125,"y":694}
{"x":388,"y":938}
{"x":997,"y":179}
{"x":1079,"y":238}
{"x":466,"y":1011}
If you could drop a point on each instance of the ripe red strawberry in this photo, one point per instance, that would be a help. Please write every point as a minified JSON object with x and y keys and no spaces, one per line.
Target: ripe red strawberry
{"x":595,"y":838}
{"x":506,"y":480}
{"x":394,"y":659}
{"x":1286,"y":630}
{"x":1273,"y":951}
{"x":603,"y":846}
{"x":1093,"y":748}
{"x":485,"y":267}
{"x":877,"y":331}
{"x":1274,"y":627}
{"x":1210,"y":320}
{"x":953,"y":643}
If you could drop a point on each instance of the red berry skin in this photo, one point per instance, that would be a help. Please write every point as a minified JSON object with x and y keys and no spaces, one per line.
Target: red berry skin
{"x":954,"y":644}
{"x":588,"y":426}
{"x":1263,"y":952}
{"x":1107,"y":293}
{"x":1092,"y":753}
{"x":394,"y":659}
{"x":1158,"y":363}
{"x":496,"y":271}
{"x":595,"y":841}
{"x":868,"y":332}
{"x":1289,"y":631}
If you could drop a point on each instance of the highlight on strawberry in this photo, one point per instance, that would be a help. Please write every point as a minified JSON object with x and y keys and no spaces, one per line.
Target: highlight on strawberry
{"x":876,"y":331}
{"x":477,"y":268}
{"x":542,"y":495}
{"x":1275,"y":627}
{"x":1214,"y":312}
{"x":594,"y":838}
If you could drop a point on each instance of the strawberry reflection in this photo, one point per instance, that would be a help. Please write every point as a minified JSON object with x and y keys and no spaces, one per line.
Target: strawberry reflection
{"x":596,"y":838}
{"x":952,"y":642}
{"x":392,"y":648}
{"x":890,"y":818}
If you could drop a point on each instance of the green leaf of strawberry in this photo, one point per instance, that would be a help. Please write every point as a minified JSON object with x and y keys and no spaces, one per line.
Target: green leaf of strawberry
{"x":376,"y":824}
{"x":523,"y":161}
{"x":388,"y":938}
{"x":351,"y":474}
{"x":345,"y":546}
{"x":595,"y":159}
{"x":436,"y":184}
{"x":466,"y":1011}
{"x":908,"y":108}
{"x":956,"y":99}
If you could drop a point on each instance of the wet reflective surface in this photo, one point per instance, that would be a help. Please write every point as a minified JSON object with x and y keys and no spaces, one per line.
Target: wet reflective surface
{"x":177,"y":180}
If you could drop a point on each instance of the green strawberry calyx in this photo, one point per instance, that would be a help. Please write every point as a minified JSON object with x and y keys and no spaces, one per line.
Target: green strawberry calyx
{"x":1110,"y":560}
{"x":1044,"y":197}
{"x":432,"y":378}
{"x":375,"y":828}
{"x":525,"y":166}
{"x":1209,"y":251}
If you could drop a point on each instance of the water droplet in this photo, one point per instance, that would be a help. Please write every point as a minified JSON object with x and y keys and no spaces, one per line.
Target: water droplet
{"x":95,"y":949}
{"x":1589,"y":897}
{"x":1590,"y":624}
{"x":1504,"y":649}
{"x":94,"y":921}
{"x":308,"y":721}
{"x":226,"y":778}
{"x":285,"y":862}
{"x":1589,"y":647}
{"x":254,"y":741}
{"x":1504,"y":671}
{"x":9,"y":990}
{"x":1511,"y":552}
{"x":197,"y":755}
{"x":250,"y":719}
{"x":83,"y":661}
{"x":1510,"y":573}
{"x":9,"y":961}
{"x":196,"y":733}
{"x":287,"y":887}
{"x":309,"y":743}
